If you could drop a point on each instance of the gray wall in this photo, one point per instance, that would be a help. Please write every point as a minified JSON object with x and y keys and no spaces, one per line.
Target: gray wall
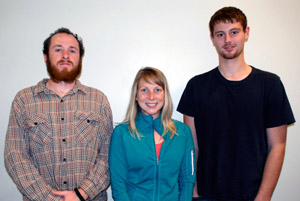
{"x":121,"y":36}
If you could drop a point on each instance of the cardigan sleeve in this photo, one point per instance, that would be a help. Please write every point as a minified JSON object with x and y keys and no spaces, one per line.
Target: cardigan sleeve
{"x":187,"y":171}
{"x":118,"y":166}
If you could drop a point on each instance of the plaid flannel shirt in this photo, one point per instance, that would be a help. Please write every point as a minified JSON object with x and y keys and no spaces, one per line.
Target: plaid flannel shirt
{"x":59,"y":143}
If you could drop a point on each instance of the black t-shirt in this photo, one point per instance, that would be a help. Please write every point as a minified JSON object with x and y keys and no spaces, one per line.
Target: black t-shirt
{"x":231,"y":118}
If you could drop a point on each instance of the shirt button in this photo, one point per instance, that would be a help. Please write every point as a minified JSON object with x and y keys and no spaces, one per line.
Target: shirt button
{"x":64,"y":140}
{"x":64,"y":159}
{"x":61,"y":100}
{"x":65,"y":182}
{"x":62,"y":118}
{"x":88,"y":121}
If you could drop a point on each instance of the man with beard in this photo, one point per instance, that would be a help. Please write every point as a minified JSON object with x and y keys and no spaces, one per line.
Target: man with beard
{"x":59,"y":130}
{"x":238,"y":115}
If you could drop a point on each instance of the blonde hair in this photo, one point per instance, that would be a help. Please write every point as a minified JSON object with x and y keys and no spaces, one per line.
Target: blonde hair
{"x":150,"y":74}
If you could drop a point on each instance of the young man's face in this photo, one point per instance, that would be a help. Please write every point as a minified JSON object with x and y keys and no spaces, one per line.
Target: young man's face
{"x":63,"y":62}
{"x":229,"y":38}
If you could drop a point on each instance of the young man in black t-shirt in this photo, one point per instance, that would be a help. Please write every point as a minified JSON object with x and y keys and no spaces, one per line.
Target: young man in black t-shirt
{"x":238,"y":115}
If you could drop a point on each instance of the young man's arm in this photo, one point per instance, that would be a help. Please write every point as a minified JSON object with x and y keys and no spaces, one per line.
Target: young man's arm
{"x":18,"y":157}
{"x":98,"y":178}
{"x":190,"y":122}
{"x":276,"y":142}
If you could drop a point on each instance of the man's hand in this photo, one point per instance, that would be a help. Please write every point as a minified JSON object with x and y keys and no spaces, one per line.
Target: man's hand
{"x":66,"y":195}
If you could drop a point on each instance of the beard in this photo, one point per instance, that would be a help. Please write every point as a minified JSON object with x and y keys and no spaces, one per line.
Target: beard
{"x":63,"y":75}
{"x":230,"y":55}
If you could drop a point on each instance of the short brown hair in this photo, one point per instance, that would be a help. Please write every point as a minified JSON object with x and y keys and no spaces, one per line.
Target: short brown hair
{"x":67,"y":31}
{"x":227,"y":14}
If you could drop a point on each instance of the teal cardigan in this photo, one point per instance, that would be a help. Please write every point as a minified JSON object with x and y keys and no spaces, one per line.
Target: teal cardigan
{"x":137,"y":174}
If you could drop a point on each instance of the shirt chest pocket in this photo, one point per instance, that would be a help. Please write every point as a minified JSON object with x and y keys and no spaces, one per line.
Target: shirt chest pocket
{"x":39,"y":130}
{"x":86,"y":126}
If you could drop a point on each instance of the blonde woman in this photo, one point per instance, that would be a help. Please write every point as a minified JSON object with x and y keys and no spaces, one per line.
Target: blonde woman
{"x":151,"y":156}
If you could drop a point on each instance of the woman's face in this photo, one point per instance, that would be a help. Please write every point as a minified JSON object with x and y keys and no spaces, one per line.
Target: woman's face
{"x":150,"y":97}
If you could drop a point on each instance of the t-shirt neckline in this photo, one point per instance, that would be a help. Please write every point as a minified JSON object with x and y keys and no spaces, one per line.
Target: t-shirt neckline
{"x":234,"y":82}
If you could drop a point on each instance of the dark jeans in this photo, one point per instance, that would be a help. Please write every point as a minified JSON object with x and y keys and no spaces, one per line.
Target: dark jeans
{"x":204,"y":199}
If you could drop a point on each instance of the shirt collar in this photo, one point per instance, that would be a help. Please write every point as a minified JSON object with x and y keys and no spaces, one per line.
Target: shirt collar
{"x":42,"y":88}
